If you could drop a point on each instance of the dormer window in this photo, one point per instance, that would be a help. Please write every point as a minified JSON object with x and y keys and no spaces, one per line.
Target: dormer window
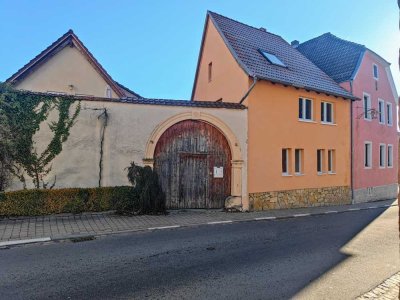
{"x":375,"y":71}
{"x":108,"y":92}
{"x":271,"y":58}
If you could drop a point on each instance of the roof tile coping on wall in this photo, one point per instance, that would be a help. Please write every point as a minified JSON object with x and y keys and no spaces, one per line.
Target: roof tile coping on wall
{"x":147,"y":101}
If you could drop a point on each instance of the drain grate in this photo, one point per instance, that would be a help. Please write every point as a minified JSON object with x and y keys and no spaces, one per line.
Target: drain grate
{"x":83,"y":239}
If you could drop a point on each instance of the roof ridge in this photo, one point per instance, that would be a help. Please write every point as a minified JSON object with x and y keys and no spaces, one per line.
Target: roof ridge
{"x":347,"y":41}
{"x":209,"y":11}
{"x":335,"y":37}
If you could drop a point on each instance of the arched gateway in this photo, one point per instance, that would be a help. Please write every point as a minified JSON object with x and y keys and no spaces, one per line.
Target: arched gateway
{"x":193,"y":161}
{"x":198,"y":160}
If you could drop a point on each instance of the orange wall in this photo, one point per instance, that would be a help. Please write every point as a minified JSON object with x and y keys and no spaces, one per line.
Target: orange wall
{"x":229,"y":81}
{"x":274,"y":124}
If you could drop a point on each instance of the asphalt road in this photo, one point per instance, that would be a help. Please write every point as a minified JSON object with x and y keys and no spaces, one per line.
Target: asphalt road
{"x":338,"y":256}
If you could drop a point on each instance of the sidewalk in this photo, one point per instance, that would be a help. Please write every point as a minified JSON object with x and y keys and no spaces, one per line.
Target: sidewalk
{"x":55,"y":227}
{"x":387,"y":290}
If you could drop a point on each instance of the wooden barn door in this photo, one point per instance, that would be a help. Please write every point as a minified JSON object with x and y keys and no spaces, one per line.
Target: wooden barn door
{"x":193,"y":180}
{"x":193,"y":162}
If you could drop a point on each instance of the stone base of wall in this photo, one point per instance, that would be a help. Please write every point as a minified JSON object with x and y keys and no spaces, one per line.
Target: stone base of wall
{"x":383,"y":192}
{"x":300,"y":198}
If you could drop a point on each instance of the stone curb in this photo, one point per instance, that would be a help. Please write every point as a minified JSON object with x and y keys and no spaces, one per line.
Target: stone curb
{"x":85,"y":237}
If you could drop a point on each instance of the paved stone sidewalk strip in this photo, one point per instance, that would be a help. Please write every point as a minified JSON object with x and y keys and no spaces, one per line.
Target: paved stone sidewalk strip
{"x":91,"y":224}
{"x":387,"y":290}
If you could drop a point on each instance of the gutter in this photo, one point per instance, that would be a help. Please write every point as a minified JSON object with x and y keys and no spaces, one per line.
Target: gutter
{"x":250,"y":89}
{"x":351,"y":145}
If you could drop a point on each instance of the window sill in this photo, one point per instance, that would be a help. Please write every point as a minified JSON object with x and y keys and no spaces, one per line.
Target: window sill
{"x":321,"y":173}
{"x":287,"y":175}
{"x":382,"y":167}
{"x":369,"y":120}
{"x":368,"y":168}
{"x":299,"y":174}
{"x":331,"y":173}
{"x":328,"y":123}
{"x":307,"y":121}
{"x":390,"y":167}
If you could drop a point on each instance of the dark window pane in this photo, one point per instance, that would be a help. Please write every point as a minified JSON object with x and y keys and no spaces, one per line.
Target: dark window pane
{"x":366,"y":106}
{"x":297,"y":161}
{"x":328,"y":112}
{"x":319,"y":161}
{"x":284,"y":161}
{"x":300,"y":108}
{"x":389,"y":114}
{"x":308,"y":109}
{"x":322,"y":111}
{"x":329,"y":161}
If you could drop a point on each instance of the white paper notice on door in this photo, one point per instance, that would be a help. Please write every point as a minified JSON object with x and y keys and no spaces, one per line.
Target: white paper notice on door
{"x":218,"y":172}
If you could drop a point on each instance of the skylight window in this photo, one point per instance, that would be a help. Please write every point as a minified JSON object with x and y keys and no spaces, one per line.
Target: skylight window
{"x":272,"y":58}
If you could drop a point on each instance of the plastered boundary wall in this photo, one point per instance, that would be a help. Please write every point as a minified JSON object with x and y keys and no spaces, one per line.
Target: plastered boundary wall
{"x":128,"y":137}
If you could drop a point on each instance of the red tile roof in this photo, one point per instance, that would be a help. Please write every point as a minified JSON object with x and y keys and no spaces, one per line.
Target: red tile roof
{"x":245,"y":43}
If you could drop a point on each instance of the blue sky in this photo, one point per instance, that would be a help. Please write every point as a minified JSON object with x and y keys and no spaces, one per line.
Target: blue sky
{"x":152,"y":46}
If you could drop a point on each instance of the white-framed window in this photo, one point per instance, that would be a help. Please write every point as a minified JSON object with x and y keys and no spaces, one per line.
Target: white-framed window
{"x":381,"y":110}
{"x":326,"y":112}
{"x":108,"y":92}
{"x":367,"y":155}
{"x":285,"y":161}
{"x":298,"y":161}
{"x":390,"y":156}
{"x":305,"y":109}
{"x":382,"y":155}
{"x":389,"y":113}
{"x":375,"y":71}
{"x":367,"y":107}
{"x":331,"y":161}
{"x":320,"y":161}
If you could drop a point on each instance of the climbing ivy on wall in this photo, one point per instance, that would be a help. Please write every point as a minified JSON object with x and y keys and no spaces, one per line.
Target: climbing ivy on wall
{"x":21,"y":116}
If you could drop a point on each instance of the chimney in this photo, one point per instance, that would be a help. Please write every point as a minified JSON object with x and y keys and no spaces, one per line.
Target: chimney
{"x":263,"y":29}
{"x":295,"y":43}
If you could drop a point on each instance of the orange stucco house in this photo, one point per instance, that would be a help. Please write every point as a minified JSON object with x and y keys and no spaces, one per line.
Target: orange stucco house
{"x":298,"y":117}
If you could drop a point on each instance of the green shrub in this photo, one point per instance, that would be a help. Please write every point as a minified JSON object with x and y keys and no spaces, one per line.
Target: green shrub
{"x":73,"y":200}
{"x":144,"y":197}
